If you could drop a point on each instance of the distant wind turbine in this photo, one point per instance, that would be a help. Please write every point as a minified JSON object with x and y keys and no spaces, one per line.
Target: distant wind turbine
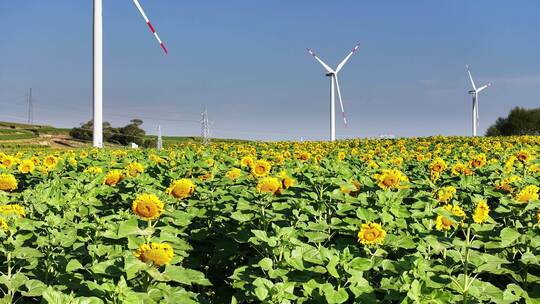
{"x":334,"y":83}
{"x":97,"y":58}
{"x":474,"y":92}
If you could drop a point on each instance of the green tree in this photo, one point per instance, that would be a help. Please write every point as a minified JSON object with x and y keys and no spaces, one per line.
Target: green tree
{"x":520,"y":121}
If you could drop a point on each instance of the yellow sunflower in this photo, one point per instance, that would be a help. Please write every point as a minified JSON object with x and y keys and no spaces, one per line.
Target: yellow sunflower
{"x":246,"y":161}
{"x":478,"y":161}
{"x":270,"y":185}
{"x":13,"y":209}
{"x":113,"y":177}
{"x":233,"y":174}
{"x":260,"y":168}
{"x":438,"y":165}
{"x":155,"y":253}
{"x":481,"y":212}
{"x":529,"y":193}
{"x":523,"y":156}
{"x":134,"y":168}
{"x":147,"y":206}
{"x":443,"y":223}
{"x":50,"y":161}
{"x":3,"y":224}
{"x":8,"y":182}
{"x":391,"y":178}
{"x":445,"y":194}
{"x":181,"y":189}
{"x":93,"y":170}
{"x":371,"y":234}
{"x":27,"y":166}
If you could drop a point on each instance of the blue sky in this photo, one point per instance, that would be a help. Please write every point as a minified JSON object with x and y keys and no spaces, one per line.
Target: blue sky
{"x":246,"y":60}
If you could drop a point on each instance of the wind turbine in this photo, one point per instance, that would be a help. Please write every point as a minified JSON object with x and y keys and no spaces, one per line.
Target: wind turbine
{"x":97,"y":72}
{"x":334,"y":84}
{"x":474,"y":92}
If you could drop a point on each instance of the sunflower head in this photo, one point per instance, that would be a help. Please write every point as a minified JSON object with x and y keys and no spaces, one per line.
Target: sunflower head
{"x":93,"y":170}
{"x":523,"y":156}
{"x":445,"y":194}
{"x":246,"y":161}
{"x":269,"y":185}
{"x":461,"y":169}
{"x":155,"y":253}
{"x":371,"y":234}
{"x":443,"y":223}
{"x":147,"y":206}
{"x":528,"y":194}
{"x":113,"y":177}
{"x":13,"y":209}
{"x":481,"y":212}
{"x":181,"y":189}
{"x":260,"y":168}
{"x":3,"y":224}
{"x":50,"y":161}
{"x":438,"y":165}
{"x":8,"y":182}
{"x":134,"y":168}
{"x":478,"y":161}
{"x":26,"y":166}
{"x":391,"y":179}
{"x":233,"y":174}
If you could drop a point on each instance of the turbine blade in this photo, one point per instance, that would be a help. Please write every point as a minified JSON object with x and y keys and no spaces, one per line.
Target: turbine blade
{"x":341,"y":102}
{"x":480,"y":89}
{"x":342,"y":63}
{"x":470,"y":76}
{"x":161,"y":44}
{"x":326,"y":67}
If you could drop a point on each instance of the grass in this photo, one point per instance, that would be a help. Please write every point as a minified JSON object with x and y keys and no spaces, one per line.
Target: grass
{"x":26,"y":136}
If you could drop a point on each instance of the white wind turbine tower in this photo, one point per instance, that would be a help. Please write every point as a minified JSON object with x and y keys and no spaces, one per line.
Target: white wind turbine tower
{"x":97,"y":80}
{"x":474,"y":92}
{"x":334,"y":84}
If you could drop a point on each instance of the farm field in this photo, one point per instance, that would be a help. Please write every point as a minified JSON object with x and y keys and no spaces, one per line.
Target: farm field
{"x":419,"y":220}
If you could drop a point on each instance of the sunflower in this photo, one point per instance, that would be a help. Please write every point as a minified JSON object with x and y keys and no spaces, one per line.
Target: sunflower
{"x":147,"y":206}
{"x":461,"y":169}
{"x":3,"y":224}
{"x":261,"y":168}
{"x":233,"y":174}
{"x":529,"y":193}
{"x":523,"y":156}
{"x":93,"y":170}
{"x":181,"y":189}
{"x":341,"y":155}
{"x":371,"y":234}
{"x":304,"y":155}
{"x":27,"y":166}
{"x":269,"y":184}
{"x":445,"y":194}
{"x":443,"y":223}
{"x":50,"y":161}
{"x":134,"y":168}
{"x":438,"y":165}
{"x":8,"y":182}
{"x":286,"y":180}
{"x":481,"y":212}
{"x":113,"y":177}
{"x":246,"y":161}
{"x":13,"y":209}
{"x":8,"y":161}
{"x":155,"y":253}
{"x":391,"y":178}
{"x":478,"y":161}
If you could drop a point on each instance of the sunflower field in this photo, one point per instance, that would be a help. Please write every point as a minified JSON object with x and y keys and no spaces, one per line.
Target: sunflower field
{"x":420,"y":220}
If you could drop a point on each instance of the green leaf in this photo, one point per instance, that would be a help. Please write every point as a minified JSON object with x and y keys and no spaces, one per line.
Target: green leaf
{"x":266,"y":264}
{"x":185,"y":276}
{"x":508,"y":236}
